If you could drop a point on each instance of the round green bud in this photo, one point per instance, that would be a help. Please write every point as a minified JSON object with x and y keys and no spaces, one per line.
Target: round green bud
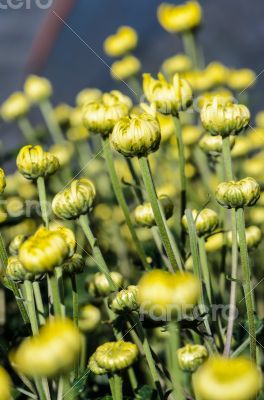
{"x":206,"y":221}
{"x":15,"y":244}
{"x":253,"y":237}
{"x":73,"y":265}
{"x":243,"y":193}
{"x":90,"y":317}
{"x":16,"y":272}
{"x":144,"y":215}
{"x":213,"y":144}
{"x":191,"y":356}
{"x":124,"y":301}
{"x":116,"y":356}
{"x":101,"y":284}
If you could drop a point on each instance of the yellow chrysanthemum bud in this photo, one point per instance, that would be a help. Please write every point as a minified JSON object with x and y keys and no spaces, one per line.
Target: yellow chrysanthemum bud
{"x":144,"y":215}
{"x":168,"y":98}
{"x":191,"y":356}
{"x":214,"y":242}
{"x":217,"y":73}
{"x":77,"y":133}
{"x":167,"y":126}
{"x":43,"y":251}
{"x":125,"y":68}
{"x":87,"y":96}
{"x":94,"y":366}
{"x":223,"y":96}
{"x":244,"y":193}
{"x":124,"y":301}
{"x":90,"y":317}
{"x":253,"y":237}
{"x":101,"y":285}
{"x":15,"y":244}
{"x":137,"y":135}
{"x":2,"y":180}
{"x":37,"y":88}
{"x":73,"y":265}
{"x":101,"y":116}
{"x":116,"y":356}
{"x":213,"y":144}
{"x":191,"y":134}
{"x":199,"y":80}
{"x":179,"y":18}
{"x":62,"y":114}
{"x":52,"y":352}
{"x":16,"y":272}
{"x":33,"y":162}
{"x":241,"y":79}
{"x":122,"y":42}
{"x":67,"y":235}
{"x":15,"y":107}
{"x":222,"y":378}
{"x":162,"y":294}
{"x":74,"y":201}
{"x":63,"y":152}
{"x":206,"y":221}
{"x":176,"y":64}
{"x":220,"y":119}
{"x":5,"y":384}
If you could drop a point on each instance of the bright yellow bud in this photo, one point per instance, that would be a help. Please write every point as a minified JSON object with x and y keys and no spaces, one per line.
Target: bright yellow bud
{"x":180,"y":18}
{"x":241,"y":79}
{"x":122,"y":42}
{"x":125,"y":68}
{"x":63,"y":152}
{"x":176,"y":64}
{"x":87,"y":96}
{"x":37,"y":89}
{"x":15,"y":107}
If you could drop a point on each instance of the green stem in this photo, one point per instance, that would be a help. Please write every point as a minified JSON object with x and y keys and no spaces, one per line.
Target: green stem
{"x":118,"y":386}
{"x":132,"y":379}
{"x":31,"y":307}
{"x":205,"y":268}
{"x":167,"y":240}
{"x":39,"y":304}
{"x":111,"y":380}
{"x":96,"y":252}
{"x":68,"y":390}
{"x":55,"y":295}
{"x":59,"y":278}
{"x":51,"y":122}
{"x":175,"y":373}
{"x":190,"y":47}
{"x":43,"y":200}
{"x":27,"y":130}
{"x":135,"y":179}
{"x":84,"y":152}
{"x":227,"y":159}
{"x":245,"y":344}
{"x":75,"y":300}
{"x":240,"y":219}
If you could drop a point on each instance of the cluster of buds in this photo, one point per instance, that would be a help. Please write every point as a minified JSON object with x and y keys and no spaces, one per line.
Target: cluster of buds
{"x":112,"y":357}
{"x":124,"y":301}
{"x":206,"y":221}
{"x":144,"y":215}
{"x":99,"y":285}
{"x":191,"y":356}
{"x":243,"y":193}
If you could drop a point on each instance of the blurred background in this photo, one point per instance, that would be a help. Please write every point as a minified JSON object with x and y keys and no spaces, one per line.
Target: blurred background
{"x":62,"y":39}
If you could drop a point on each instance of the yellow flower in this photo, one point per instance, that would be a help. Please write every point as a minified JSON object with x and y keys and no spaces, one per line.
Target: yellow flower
{"x":116,"y":356}
{"x":125,"y":68}
{"x":75,"y":200}
{"x":168,"y":98}
{"x":243,"y":193}
{"x":206,"y":221}
{"x":5,"y":384}
{"x":122,"y":42}
{"x":191,"y":356}
{"x":101,"y":116}
{"x":241,"y":147}
{"x":176,"y":64}
{"x":241,"y":79}
{"x":90,"y":317}
{"x":87,"y":96}
{"x":33,"y":162}
{"x":179,"y":18}
{"x":217,"y":73}
{"x":67,"y":235}
{"x":43,"y":251}
{"x":214,"y":242}
{"x":2,"y":180}
{"x":137,"y":135}
{"x":50,"y":353}
{"x":144,"y":215}
{"x":37,"y":89}
{"x":220,"y":119}
{"x":63,"y":152}
{"x":222,"y":378}
{"x":15,"y":107}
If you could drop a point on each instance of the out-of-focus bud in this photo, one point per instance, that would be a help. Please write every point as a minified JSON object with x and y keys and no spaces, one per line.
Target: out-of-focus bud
{"x":162,"y":294}
{"x":144,"y":215}
{"x":167,"y":126}
{"x":253,"y":237}
{"x":2,"y":180}
{"x":90,"y":317}
{"x":191,"y":356}
{"x":191,"y":134}
{"x":254,"y":167}
{"x":176,"y":64}
{"x":220,"y":119}
{"x":16,"y":272}
{"x":168,"y":98}
{"x":87,"y":96}
{"x":214,"y":242}
{"x":101,"y":284}
{"x":217,"y":73}
{"x":199,"y":80}
{"x":241,"y":79}
{"x":124,"y":301}
{"x":243,"y":193}
{"x":101,"y":116}
{"x":241,"y":147}
{"x":37,"y":89}
{"x":179,"y":18}
{"x":43,"y":251}
{"x":122,"y":42}
{"x":63,"y":152}
{"x":15,"y":244}
{"x":77,"y":133}
{"x":52,"y":352}
{"x":33,"y":162}
{"x":75,"y":200}
{"x":5,"y":384}
{"x":125,"y":68}
{"x":137,"y":135}
{"x":206,"y":221}
{"x":15,"y":107}
{"x":73,"y":265}
{"x":116,"y":356}
{"x":213,"y":144}
{"x":259,"y":119}
{"x":62,"y":114}
{"x":216,"y":380}
{"x":25,"y":227}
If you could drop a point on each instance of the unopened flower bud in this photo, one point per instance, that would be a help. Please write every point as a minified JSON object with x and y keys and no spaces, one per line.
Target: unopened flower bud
{"x":15,"y":244}
{"x":101,"y":284}
{"x":124,"y":301}
{"x":90,"y":317}
{"x":122,"y":42}
{"x":2,"y":180}
{"x":253,"y":237}
{"x":241,"y":79}
{"x":169,"y":98}
{"x":206,"y":221}
{"x":15,"y":107}
{"x":67,"y":235}
{"x":213,"y":144}
{"x":214,"y":242}
{"x":125,"y":68}
{"x":116,"y":356}
{"x":37,"y":89}
{"x":94,"y":366}
{"x":137,"y":135}
{"x":144,"y":215}
{"x":63,"y":152}
{"x":5,"y":384}
{"x":191,"y":356}
{"x":217,"y":73}
{"x":176,"y":64}
{"x":243,"y":193}
{"x":180,"y":18}
{"x":33,"y":162}
{"x":74,"y":201}
{"x":16,"y":272}
{"x":73,"y":265}
{"x":87,"y":96}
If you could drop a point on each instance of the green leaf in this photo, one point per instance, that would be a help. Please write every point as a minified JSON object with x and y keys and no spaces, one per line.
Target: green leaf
{"x":145,"y":393}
